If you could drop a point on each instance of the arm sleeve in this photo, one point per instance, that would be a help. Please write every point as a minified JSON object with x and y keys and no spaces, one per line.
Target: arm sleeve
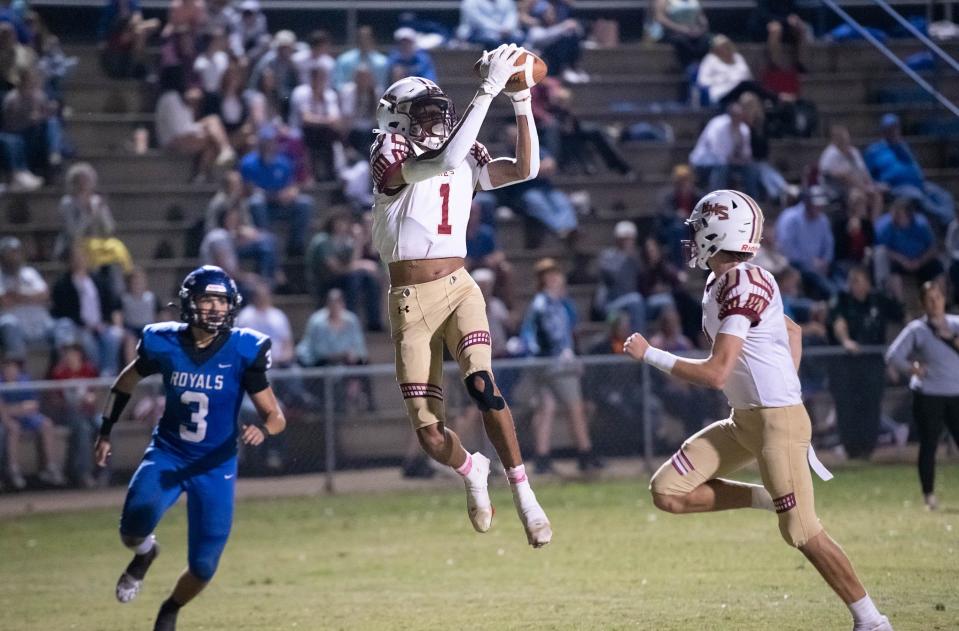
{"x":744,"y":296}
{"x":254,"y":377}
{"x":387,"y":156}
{"x":520,"y":109}
{"x":457,"y":145}
{"x":145,"y":365}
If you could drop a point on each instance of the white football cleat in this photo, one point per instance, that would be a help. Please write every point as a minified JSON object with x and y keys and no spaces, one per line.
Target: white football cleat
{"x":128,"y":588}
{"x":478,"y":504}
{"x":882,"y":624}
{"x":539,"y":532}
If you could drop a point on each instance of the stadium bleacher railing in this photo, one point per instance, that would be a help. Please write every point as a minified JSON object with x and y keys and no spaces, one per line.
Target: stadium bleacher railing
{"x":633,"y":411}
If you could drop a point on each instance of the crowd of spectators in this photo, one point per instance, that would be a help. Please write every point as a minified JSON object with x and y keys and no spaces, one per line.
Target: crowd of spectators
{"x":269,"y":116}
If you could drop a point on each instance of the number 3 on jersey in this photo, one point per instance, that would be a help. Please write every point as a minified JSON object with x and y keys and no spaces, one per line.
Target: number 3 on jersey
{"x":445,"y":227}
{"x":197,"y":418}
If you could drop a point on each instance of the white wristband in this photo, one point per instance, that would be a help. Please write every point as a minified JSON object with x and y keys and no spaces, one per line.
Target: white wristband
{"x":659,"y":359}
{"x":521,"y":108}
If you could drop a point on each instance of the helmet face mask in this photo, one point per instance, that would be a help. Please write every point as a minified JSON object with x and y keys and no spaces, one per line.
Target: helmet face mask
{"x":432,"y":120}
{"x":209,"y":299}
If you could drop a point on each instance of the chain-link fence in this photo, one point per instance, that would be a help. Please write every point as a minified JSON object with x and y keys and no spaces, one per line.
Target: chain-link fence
{"x":354,"y":417}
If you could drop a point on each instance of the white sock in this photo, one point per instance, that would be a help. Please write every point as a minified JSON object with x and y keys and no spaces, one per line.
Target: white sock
{"x":522,"y":491}
{"x":145,"y":546}
{"x":761,"y":498}
{"x":469,"y":472}
{"x":864,"y":610}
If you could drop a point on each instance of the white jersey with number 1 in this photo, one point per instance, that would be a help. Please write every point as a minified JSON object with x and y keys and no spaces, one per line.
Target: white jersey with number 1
{"x":745,"y":302}
{"x":425,"y":220}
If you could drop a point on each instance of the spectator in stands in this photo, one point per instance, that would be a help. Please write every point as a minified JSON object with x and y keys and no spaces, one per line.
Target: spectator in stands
{"x":28,"y":113}
{"x":15,"y":58}
{"x":354,"y":176}
{"x":232,"y":105}
{"x":780,"y":17}
{"x":252,"y":33}
{"x":14,"y":153}
{"x":483,"y":251}
{"x":805,"y":237}
{"x":278,"y":61}
{"x":94,"y":310}
{"x":853,"y":233}
{"x":83,"y":212}
{"x":334,"y":337}
{"x":222,"y":16}
{"x":619,"y":275}
{"x":78,"y":412}
{"x":908,"y":247}
{"x":928,"y":350}
{"x":179,"y":49}
{"x":122,"y":36}
{"x":188,"y":15}
{"x":859,"y":317}
{"x":315,"y":110}
{"x":568,"y":138}
{"x":177,"y":130}
{"x":358,"y":102}
{"x":548,"y":331}
{"x":316,"y":55}
{"x":407,"y":59}
{"x":662,"y":284}
{"x":842,"y":169}
{"x":774,"y":185}
{"x":275,"y":194}
{"x":685,"y":26}
{"x":364,"y":53}
{"x":210,"y":66}
{"x":24,"y":318}
{"x":234,"y":240}
{"x":260,"y":315}
{"x":674,"y":205}
{"x":334,"y":260}
{"x":558,"y":39}
{"x":230,"y":193}
{"x":891,"y":162}
{"x":489,"y":23}
{"x":723,"y":150}
{"x":139,"y":307}
{"x":20,"y":413}
{"x":952,"y":249}
{"x":725,"y":74}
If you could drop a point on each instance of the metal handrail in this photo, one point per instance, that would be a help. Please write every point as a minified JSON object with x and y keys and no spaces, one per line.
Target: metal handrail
{"x":906,"y":24}
{"x":882,"y":48}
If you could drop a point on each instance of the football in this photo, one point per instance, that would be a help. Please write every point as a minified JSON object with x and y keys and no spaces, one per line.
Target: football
{"x":530,"y":71}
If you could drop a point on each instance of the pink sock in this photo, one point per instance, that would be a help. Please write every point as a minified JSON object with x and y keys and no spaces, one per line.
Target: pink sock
{"x":516,"y":475}
{"x":466,"y":467}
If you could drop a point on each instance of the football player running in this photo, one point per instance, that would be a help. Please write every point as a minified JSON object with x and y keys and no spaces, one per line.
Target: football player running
{"x":754,"y":360}
{"x":207,"y":367}
{"x":426,"y":166}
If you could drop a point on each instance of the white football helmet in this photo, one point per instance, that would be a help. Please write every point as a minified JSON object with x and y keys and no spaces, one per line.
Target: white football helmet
{"x":723,"y":220}
{"x":418,"y":109}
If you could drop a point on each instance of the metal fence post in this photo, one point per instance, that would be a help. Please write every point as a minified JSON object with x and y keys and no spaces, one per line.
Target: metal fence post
{"x":329,"y":430}
{"x":647,"y":419}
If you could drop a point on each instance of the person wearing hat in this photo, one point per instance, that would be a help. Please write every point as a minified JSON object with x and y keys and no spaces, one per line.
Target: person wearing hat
{"x":407,"y":59}
{"x":548,"y":330}
{"x":907,"y":247}
{"x":24,"y":296}
{"x":276,"y":195}
{"x":891,"y":161}
{"x":364,"y":53}
{"x":618,"y":288}
{"x":279,"y":62}
{"x":252,"y":36}
{"x":805,"y":238}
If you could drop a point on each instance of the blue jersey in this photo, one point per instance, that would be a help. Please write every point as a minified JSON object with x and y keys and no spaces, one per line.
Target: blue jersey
{"x":204,"y":387}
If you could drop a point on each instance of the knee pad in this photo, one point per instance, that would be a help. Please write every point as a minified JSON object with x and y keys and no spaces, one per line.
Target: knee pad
{"x":486,"y":399}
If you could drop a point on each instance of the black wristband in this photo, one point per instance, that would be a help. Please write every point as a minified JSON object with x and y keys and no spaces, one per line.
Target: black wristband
{"x":116,"y":401}
{"x":262,"y":427}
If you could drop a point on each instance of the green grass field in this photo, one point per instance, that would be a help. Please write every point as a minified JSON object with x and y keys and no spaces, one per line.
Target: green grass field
{"x":411,"y":561}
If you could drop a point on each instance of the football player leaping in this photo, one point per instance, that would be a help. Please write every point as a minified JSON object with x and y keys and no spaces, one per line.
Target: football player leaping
{"x":426,"y":166}
{"x":755,"y":354}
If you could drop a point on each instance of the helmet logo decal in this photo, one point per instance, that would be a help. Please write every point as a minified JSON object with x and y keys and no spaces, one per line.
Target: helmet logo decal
{"x":721,"y":211}
{"x":215,"y":289}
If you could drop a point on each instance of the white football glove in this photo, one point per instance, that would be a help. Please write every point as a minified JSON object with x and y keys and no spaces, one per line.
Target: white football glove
{"x":500,"y":65}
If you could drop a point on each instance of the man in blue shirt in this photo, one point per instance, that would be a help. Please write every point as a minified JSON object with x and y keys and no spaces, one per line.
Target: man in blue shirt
{"x":908,"y":247}
{"x":891,"y":162}
{"x":805,"y":238}
{"x":275,"y":195}
{"x":407,"y":60}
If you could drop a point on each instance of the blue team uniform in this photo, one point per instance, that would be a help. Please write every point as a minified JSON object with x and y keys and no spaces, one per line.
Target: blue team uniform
{"x":194,"y":445}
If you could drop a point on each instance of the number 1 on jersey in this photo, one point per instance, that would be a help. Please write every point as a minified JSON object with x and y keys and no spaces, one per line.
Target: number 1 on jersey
{"x":445,"y":227}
